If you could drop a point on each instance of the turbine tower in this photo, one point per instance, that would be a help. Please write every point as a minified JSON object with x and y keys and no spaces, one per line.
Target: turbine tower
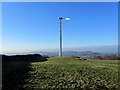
{"x":60,"y":35}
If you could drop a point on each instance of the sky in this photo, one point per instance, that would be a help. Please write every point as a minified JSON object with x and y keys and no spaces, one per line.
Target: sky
{"x":60,"y":0}
{"x":28,"y":26}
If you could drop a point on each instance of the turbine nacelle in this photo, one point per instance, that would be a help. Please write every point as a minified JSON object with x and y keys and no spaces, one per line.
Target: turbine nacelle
{"x":60,"y":18}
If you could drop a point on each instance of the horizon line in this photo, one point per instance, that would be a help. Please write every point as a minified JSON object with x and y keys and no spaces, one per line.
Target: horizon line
{"x":54,"y":49}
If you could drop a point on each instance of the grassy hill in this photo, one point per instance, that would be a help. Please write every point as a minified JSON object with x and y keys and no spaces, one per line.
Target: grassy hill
{"x":67,"y":72}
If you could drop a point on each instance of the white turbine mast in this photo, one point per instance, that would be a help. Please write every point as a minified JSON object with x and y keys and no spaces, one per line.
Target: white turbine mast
{"x":60,"y":35}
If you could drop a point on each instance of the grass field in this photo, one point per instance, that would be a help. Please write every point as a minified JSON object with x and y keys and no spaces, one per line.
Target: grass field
{"x":56,"y":72}
{"x":67,"y":72}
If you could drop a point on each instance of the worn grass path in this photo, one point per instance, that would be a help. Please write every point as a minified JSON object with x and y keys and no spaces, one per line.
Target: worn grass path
{"x":67,"y":72}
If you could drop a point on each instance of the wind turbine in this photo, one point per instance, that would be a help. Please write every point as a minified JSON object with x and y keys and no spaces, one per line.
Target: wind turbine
{"x":60,"y":35}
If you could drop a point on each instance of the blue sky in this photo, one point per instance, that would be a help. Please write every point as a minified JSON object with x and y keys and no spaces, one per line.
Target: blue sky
{"x":35,"y":25}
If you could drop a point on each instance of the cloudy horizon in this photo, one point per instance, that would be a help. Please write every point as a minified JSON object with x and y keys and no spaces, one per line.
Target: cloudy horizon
{"x":100,"y":49}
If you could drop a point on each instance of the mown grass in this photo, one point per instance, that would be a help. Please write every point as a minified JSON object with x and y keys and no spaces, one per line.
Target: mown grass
{"x":67,"y":72}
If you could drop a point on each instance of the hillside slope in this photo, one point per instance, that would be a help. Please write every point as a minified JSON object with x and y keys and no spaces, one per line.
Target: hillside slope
{"x":67,"y":72}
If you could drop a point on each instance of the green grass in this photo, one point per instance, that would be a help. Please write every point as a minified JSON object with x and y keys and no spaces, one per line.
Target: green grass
{"x":67,"y":72}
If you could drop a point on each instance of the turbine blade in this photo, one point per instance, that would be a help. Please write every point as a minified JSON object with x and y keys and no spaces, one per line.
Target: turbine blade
{"x":67,"y":18}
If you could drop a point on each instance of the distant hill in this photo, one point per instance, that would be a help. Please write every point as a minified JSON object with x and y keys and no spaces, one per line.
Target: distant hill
{"x":69,"y":53}
{"x":77,"y":51}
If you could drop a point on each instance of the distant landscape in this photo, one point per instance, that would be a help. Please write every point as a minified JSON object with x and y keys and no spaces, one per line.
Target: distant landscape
{"x":83,"y":51}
